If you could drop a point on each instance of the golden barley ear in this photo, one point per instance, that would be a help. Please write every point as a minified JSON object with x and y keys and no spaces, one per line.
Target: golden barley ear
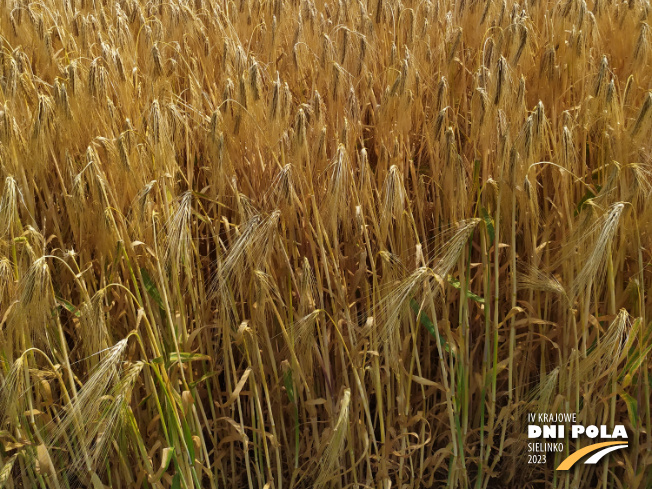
{"x":93,"y":324}
{"x":595,"y":264}
{"x":531,"y":277}
{"x":36,"y":297}
{"x":176,"y":234}
{"x":394,"y":200}
{"x":604,"y":360}
{"x":9,"y":219}
{"x":282,"y":190}
{"x":644,"y":119}
{"x":12,"y":400}
{"x":7,"y":280}
{"x":335,"y":445}
{"x":91,"y":420}
{"x":302,"y":332}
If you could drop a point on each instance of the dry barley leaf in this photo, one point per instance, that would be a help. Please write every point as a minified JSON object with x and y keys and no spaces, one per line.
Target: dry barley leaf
{"x":315,"y":402}
{"x":236,"y":425}
{"x":97,"y":483}
{"x":32,"y":412}
{"x":187,"y":401}
{"x":427,"y":382}
{"x":166,"y":458}
{"x":515,"y":310}
{"x":541,"y":247}
{"x":542,"y":322}
{"x":193,"y":335}
{"x":226,"y":440}
{"x":8,"y":446}
{"x":438,"y":457}
{"x":421,"y":380}
{"x":43,"y":460}
{"x":236,"y":392}
{"x":152,"y":424}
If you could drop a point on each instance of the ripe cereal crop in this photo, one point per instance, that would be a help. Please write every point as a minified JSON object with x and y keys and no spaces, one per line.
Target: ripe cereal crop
{"x":277,"y":244}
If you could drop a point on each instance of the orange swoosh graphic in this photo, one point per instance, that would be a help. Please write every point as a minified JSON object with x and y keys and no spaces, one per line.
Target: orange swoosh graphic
{"x":571,"y":459}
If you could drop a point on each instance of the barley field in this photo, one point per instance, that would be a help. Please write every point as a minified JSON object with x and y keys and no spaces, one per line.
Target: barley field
{"x":274,"y":244}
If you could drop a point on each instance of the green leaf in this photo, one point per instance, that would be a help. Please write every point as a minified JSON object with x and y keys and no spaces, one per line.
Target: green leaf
{"x":587,"y":196}
{"x":428,"y":324}
{"x":176,"y":481}
{"x":152,"y":291}
{"x":187,"y":435}
{"x":150,"y":286}
{"x":183,"y":357}
{"x":202,"y":379}
{"x":634,"y":363}
{"x":470,"y":295}
{"x":476,"y":173}
{"x":593,"y":346}
{"x":68,"y":306}
{"x":632,"y":408}
{"x":200,"y":217}
{"x":289,"y":386}
{"x":489,"y":222}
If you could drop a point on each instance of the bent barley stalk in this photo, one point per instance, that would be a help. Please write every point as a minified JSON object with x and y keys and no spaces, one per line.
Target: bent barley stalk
{"x":296,"y":244}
